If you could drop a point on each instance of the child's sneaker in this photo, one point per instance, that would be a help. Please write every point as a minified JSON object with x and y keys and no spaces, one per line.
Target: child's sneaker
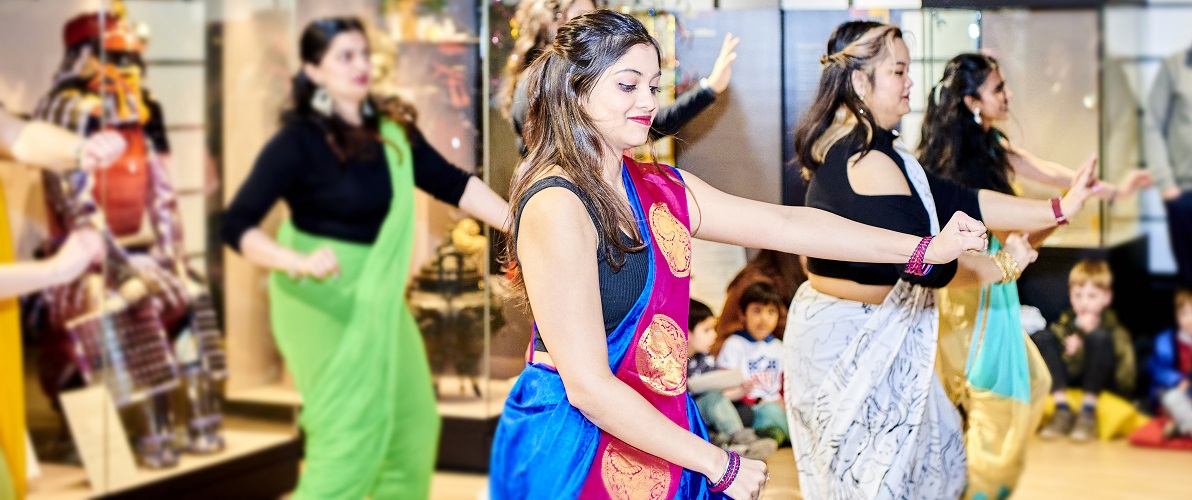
{"x":760,"y":449}
{"x":1170,"y":430}
{"x":721,"y":440}
{"x":775,"y":433}
{"x":1085,"y":428}
{"x":743,"y":436}
{"x":1059,"y":425}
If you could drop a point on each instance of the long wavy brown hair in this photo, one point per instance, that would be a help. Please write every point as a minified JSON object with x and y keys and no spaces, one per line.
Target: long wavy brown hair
{"x":560,"y":133}
{"x":837,"y":112}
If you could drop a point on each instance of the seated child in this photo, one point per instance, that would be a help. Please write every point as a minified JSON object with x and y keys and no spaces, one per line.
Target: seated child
{"x":755,"y":351}
{"x":716,"y":406}
{"x":1086,"y":349}
{"x":1171,"y":367}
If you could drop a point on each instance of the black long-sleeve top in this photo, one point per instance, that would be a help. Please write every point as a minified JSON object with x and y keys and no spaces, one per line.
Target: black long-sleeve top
{"x":830,"y":190}
{"x":342,"y":200}
{"x":669,"y":120}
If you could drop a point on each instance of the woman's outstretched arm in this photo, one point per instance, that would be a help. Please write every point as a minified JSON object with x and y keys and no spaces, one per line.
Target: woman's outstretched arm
{"x":719,"y":216}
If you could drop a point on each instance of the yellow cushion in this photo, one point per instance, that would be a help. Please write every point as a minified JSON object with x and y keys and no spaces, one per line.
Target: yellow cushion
{"x":1116,"y":417}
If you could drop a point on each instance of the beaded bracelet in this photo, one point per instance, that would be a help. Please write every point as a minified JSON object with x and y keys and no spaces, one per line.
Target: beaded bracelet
{"x":730,"y":473}
{"x":916,"y":266}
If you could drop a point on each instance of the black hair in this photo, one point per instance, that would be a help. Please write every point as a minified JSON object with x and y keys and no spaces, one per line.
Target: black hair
{"x":698,"y":314}
{"x":346,"y":141}
{"x":837,"y":114}
{"x":954,"y":146}
{"x":759,"y":293}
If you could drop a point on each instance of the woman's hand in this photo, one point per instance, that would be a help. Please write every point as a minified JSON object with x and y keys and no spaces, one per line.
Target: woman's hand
{"x":101,"y":150}
{"x":1133,"y":181}
{"x":962,"y":234}
{"x":751,"y":480}
{"x":722,"y":72}
{"x":319,"y":265}
{"x":82,"y":248}
{"x":1082,"y":188}
{"x":1020,"y":249}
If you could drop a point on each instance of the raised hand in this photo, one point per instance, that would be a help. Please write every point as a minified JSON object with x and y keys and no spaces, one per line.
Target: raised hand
{"x":1082,"y":188}
{"x":1133,"y":181}
{"x":722,"y":72}
{"x":962,"y":234}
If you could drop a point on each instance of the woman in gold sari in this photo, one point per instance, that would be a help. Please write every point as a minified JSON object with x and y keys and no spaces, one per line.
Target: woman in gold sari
{"x":987,"y":365}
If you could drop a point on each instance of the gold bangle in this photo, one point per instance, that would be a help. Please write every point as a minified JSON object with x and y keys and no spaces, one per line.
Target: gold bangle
{"x":1001,"y":267}
{"x":1010,"y":269}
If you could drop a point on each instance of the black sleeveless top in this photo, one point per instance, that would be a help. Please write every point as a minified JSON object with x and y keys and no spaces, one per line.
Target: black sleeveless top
{"x":830,"y":190}
{"x":619,"y":290}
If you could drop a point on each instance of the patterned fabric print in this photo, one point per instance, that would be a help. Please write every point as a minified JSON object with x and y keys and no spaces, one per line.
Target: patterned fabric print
{"x":662,"y":360}
{"x":869,"y":418}
{"x":673,"y":239}
{"x":632,"y":474}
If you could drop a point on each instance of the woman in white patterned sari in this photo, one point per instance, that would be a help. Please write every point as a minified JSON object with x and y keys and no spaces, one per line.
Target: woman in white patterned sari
{"x":868,"y":416}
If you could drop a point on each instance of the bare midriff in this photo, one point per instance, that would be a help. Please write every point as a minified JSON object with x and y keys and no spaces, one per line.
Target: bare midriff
{"x":849,"y":290}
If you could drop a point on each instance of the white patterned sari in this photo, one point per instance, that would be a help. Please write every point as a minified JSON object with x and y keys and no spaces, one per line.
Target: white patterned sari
{"x":869,"y":418}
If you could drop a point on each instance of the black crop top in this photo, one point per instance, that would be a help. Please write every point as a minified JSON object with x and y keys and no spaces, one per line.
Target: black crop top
{"x":830,"y":190}
{"x":619,"y":290}
{"x":329,"y":198}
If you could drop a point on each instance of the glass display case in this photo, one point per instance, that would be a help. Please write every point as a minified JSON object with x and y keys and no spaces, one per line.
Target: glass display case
{"x":125,"y":365}
{"x":158,"y":368}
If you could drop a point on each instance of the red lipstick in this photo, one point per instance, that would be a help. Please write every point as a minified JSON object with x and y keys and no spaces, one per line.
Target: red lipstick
{"x":643,"y":119}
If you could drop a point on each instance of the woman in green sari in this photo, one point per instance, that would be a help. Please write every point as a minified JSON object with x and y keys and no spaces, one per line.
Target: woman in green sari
{"x":346,"y":164}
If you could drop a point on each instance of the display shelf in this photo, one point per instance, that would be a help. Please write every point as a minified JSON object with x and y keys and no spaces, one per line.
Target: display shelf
{"x":277,"y":394}
{"x":260,"y":460}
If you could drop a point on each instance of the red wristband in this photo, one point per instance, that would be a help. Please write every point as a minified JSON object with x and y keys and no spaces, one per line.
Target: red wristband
{"x":1059,"y":213}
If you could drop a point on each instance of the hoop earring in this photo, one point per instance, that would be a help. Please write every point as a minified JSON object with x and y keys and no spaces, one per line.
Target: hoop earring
{"x":977,"y":115}
{"x":321,"y":102}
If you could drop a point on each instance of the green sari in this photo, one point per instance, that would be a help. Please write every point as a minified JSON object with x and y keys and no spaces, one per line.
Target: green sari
{"x":369,"y":415}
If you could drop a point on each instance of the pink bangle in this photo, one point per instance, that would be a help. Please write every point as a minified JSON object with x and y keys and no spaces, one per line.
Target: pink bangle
{"x":730,"y":473}
{"x":916,"y":266}
{"x":1060,"y":219}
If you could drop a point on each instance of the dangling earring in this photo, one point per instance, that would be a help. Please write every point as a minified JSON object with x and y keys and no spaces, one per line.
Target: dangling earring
{"x":977,"y":116}
{"x":321,"y":102}
{"x":366,"y":109}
